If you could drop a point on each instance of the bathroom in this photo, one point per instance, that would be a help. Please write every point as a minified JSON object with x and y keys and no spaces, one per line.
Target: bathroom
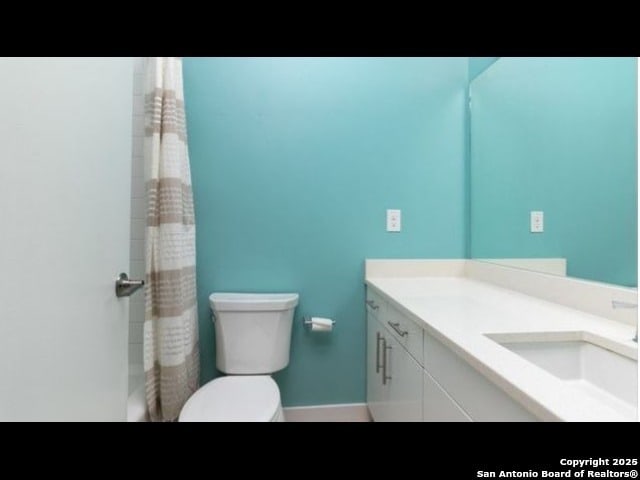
{"x":294,"y":164}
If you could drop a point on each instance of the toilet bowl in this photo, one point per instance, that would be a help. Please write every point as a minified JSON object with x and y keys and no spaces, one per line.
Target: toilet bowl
{"x":253,"y":338}
{"x":235,"y":398}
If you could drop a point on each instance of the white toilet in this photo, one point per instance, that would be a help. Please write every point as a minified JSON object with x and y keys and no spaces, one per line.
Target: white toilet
{"x":253,"y":336}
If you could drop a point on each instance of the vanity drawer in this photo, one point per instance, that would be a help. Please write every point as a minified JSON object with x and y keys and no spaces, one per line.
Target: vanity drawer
{"x":376,"y":306}
{"x":407,"y":332}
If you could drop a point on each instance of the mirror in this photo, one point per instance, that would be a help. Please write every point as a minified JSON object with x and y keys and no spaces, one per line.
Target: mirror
{"x":557,"y":136}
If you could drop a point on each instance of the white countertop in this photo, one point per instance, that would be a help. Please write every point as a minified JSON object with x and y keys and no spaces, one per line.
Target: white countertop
{"x":459,"y":311}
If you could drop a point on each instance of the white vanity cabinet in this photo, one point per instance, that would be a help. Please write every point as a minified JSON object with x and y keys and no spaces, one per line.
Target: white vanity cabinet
{"x":411,"y":376}
{"x":489,"y":343}
{"x":394,"y":377}
{"x":473,"y":393}
{"x":438,"y":405}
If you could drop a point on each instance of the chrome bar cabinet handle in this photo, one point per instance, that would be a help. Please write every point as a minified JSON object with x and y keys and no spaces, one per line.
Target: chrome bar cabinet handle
{"x":385,"y":377}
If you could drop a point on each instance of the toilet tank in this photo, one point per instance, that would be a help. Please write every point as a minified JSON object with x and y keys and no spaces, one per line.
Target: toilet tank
{"x":253,"y":331}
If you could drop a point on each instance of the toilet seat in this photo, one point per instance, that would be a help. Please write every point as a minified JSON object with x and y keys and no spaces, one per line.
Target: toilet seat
{"x":235,"y":398}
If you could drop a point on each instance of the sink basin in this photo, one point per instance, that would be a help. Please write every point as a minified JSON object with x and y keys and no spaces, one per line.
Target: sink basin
{"x":583,"y":361}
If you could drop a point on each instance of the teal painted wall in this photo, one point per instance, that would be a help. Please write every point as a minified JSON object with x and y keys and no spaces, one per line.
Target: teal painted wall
{"x":294,"y":162}
{"x":558,"y":135}
{"x":477,"y":65}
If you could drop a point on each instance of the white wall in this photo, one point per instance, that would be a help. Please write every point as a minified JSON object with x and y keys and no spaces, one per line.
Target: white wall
{"x":138,"y":208}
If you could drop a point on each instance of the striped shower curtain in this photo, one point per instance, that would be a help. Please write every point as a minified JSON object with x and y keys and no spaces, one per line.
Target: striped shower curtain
{"x":171,"y":352}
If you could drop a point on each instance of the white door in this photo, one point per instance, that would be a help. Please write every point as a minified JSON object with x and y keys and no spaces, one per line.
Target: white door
{"x":65,"y":161}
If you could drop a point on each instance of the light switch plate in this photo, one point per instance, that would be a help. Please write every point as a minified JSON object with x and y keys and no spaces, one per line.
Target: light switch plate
{"x":537,"y":222}
{"x":394,"y":220}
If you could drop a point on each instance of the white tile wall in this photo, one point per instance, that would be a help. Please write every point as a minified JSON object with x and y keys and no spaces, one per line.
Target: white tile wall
{"x":138,"y":207}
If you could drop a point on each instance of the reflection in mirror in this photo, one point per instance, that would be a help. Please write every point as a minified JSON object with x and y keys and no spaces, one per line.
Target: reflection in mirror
{"x":557,"y":136}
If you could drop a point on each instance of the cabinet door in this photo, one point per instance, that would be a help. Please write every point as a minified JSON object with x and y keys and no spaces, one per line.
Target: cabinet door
{"x":438,"y":406}
{"x":480,"y":398}
{"x":377,"y":393}
{"x":405,"y":383}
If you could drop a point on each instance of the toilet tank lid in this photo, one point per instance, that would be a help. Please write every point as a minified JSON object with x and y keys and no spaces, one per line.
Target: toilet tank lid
{"x":226,"y":302}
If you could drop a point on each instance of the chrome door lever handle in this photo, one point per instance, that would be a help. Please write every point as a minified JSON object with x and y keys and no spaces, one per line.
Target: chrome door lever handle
{"x":126,"y":287}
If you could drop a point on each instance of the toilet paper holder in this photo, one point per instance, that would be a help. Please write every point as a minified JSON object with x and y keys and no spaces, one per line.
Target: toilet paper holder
{"x":308,"y":321}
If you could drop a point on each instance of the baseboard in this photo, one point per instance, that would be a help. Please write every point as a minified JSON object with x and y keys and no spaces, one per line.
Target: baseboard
{"x":344,"y":412}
